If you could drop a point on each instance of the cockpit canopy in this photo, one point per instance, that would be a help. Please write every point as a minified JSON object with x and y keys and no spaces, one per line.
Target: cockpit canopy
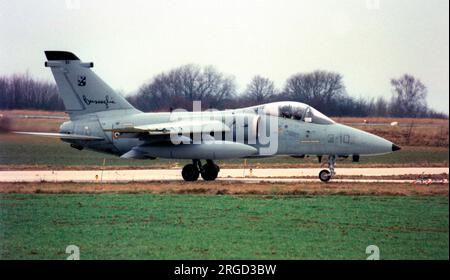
{"x":294,"y":110}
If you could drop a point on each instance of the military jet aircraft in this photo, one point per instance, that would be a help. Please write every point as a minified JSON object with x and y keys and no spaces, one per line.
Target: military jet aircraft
{"x":102,"y":120}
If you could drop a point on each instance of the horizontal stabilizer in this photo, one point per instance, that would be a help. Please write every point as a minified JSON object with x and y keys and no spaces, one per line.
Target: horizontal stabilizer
{"x":61,"y":135}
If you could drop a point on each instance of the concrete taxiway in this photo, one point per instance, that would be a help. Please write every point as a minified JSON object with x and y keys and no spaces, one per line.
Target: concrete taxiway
{"x":244,"y":175}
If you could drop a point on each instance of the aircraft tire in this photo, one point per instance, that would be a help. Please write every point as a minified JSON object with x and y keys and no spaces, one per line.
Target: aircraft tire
{"x":190,"y":173}
{"x":325,"y":175}
{"x":210,"y":172}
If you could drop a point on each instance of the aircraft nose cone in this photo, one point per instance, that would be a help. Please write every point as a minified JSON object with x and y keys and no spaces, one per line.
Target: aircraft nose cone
{"x":395,"y":148}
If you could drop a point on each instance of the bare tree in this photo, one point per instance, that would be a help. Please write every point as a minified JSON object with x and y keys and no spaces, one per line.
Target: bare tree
{"x":409,"y":97}
{"x":260,"y":90}
{"x":319,"y":89}
{"x":21,"y":91}
{"x":381,"y":108}
{"x":5,"y":100}
{"x":180,"y":86}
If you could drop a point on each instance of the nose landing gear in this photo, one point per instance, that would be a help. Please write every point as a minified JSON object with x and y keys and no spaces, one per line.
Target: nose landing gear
{"x":325,"y":175}
{"x":208,"y":171}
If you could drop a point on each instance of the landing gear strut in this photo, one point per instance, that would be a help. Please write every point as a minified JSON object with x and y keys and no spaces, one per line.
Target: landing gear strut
{"x":325,"y":175}
{"x":208,"y":171}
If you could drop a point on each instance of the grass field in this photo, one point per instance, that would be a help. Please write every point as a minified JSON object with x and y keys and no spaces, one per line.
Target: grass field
{"x":16,"y":150}
{"x":146,"y":226}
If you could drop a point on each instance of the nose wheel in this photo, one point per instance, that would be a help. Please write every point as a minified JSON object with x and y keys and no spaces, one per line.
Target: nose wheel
{"x":208,"y":171}
{"x":326,"y":174}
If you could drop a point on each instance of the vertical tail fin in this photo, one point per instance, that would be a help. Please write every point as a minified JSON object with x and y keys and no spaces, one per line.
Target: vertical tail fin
{"x":82,"y":91}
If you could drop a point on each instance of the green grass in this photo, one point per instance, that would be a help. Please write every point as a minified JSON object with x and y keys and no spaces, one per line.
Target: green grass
{"x":37,"y":151}
{"x":40,"y":151}
{"x":145,"y":226}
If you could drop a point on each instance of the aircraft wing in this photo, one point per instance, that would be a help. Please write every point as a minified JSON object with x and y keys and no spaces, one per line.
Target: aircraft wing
{"x":61,"y":135}
{"x":196,"y":126}
{"x":159,"y":133}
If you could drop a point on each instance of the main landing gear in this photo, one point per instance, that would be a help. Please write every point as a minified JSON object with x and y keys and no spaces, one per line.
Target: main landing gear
{"x":325,"y":175}
{"x":208,"y":171}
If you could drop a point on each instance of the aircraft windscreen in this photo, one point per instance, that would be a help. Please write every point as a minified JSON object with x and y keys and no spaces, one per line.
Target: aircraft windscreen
{"x":297,"y":111}
{"x":319,"y":118}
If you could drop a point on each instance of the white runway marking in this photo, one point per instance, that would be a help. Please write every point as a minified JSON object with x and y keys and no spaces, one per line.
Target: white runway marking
{"x":247,"y":175}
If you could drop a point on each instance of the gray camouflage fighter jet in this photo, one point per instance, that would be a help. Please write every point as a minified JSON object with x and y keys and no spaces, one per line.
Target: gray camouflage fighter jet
{"x":102,"y":120}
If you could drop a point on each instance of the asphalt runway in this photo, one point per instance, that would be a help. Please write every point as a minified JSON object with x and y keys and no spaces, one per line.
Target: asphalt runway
{"x":241,"y":175}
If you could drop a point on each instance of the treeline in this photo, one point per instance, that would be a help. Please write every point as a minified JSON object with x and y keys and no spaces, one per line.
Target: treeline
{"x":178,"y":87}
{"x":24,"y":92}
{"x":323,"y":90}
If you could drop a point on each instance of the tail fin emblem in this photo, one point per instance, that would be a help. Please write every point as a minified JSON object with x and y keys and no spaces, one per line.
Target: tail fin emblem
{"x":81,"y":81}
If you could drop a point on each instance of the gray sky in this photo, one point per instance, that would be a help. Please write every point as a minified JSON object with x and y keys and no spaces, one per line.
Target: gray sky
{"x":367,"y":41}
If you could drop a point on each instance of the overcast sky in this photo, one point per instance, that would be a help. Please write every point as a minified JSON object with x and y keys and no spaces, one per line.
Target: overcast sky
{"x":367,"y":41}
